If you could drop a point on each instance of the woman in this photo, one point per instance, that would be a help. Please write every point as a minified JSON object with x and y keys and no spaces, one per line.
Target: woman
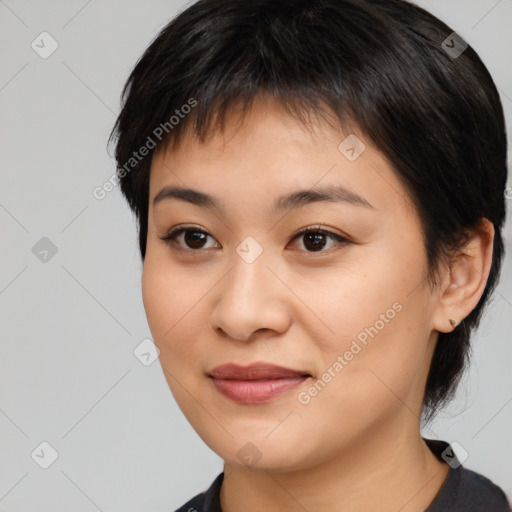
{"x":319,"y":187}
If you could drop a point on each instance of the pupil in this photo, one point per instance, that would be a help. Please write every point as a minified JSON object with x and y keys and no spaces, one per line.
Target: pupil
{"x":194,"y":239}
{"x":316,"y":239}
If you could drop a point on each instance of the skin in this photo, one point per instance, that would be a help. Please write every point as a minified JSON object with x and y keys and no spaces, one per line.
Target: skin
{"x":356,"y":445}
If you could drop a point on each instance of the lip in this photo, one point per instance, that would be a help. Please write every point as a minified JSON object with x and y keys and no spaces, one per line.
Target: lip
{"x":256,"y":383}
{"x":254,"y":371}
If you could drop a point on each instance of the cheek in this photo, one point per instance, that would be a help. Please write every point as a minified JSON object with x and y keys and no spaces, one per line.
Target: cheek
{"x":171,"y":304}
{"x":158,"y":299}
{"x":172,"y":307}
{"x":379,"y":318}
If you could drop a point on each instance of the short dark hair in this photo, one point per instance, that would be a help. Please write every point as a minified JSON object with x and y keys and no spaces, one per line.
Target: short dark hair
{"x":380,"y":66}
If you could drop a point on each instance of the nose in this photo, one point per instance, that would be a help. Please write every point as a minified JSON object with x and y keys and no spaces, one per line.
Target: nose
{"x":251,"y":299}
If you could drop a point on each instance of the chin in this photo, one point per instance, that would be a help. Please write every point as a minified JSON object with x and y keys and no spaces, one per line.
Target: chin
{"x":277,"y":454}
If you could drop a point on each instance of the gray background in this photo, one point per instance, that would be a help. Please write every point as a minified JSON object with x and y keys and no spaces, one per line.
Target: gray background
{"x":68,"y":374}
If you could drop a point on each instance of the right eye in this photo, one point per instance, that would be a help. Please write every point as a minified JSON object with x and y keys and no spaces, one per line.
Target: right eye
{"x":194,"y":238}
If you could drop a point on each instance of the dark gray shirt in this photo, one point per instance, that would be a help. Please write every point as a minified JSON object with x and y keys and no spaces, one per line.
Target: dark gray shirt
{"x":462,"y":491}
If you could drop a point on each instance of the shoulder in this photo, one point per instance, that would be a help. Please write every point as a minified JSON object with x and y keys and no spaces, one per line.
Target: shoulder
{"x":478,"y":492}
{"x":193,"y":505}
{"x":465,"y":489}
{"x":206,"y":501}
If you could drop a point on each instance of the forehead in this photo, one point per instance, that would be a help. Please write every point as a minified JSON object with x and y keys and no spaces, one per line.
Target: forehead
{"x":264,"y":120}
{"x":268,"y":153}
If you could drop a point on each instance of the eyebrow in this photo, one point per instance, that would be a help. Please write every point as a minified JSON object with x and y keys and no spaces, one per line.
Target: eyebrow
{"x":332,"y":193}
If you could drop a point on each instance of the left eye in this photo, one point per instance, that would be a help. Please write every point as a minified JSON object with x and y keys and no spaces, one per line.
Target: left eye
{"x":314,"y":239}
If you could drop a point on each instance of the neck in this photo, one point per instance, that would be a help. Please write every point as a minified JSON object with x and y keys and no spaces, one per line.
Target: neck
{"x":380,"y":471}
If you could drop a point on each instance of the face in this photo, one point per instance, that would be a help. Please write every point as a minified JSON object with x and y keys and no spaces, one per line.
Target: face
{"x":347,"y":303}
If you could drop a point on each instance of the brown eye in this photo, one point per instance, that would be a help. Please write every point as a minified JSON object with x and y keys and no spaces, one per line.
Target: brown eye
{"x":193,"y":238}
{"x":316,"y":239}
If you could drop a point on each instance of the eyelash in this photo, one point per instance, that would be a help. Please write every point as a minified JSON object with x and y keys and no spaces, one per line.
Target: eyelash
{"x":340,"y":240}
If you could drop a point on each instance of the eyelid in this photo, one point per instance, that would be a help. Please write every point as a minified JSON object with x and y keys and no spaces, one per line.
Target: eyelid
{"x":319,"y":228}
{"x":177,"y":230}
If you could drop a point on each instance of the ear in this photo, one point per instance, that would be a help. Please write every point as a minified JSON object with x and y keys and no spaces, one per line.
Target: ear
{"x":465,"y":278}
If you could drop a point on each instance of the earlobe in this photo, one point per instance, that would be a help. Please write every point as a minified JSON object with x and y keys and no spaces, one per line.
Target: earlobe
{"x":465,"y":278}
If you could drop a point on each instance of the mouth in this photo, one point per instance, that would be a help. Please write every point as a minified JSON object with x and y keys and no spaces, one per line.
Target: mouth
{"x":257,"y":383}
